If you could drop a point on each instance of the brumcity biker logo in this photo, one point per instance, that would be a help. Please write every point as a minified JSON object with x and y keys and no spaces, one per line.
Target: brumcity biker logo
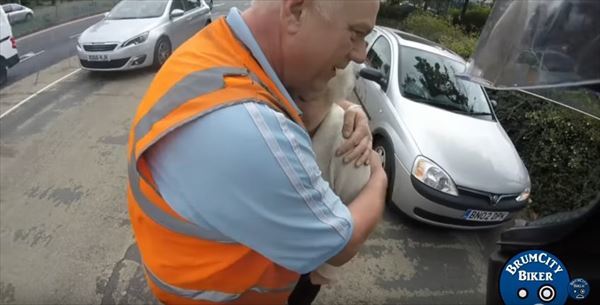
{"x":534,"y":277}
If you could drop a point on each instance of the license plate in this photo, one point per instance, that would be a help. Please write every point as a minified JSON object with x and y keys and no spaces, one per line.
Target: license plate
{"x":477,"y":215}
{"x":98,"y":58}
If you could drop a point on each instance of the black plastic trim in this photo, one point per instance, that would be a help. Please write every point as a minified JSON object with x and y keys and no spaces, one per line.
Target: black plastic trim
{"x":10,"y":62}
{"x":465,"y":199}
{"x":455,"y":221}
{"x":113,"y":64}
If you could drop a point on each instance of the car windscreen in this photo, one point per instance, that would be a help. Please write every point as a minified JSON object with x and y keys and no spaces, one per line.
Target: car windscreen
{"x":137,"y":9}
{"x":430,"y":78}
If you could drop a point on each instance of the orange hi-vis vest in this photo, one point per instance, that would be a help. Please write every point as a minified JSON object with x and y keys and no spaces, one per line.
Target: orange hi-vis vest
{"x":185,"y":264}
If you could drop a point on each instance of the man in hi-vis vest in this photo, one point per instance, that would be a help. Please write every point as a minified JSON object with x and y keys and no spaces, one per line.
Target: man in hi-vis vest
{"x":226,"y":200}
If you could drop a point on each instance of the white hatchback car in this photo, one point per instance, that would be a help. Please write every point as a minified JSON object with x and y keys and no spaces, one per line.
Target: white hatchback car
{"x":140,"y":33}
{"x":17,"y":12}
{"x":448,"y":159}
{"x":8,"y":47}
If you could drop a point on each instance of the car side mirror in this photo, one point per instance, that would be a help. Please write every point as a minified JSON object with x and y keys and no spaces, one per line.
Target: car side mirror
{"x":177,"y":13}
{"x":494,"y":103}
{"x":374,"y":75}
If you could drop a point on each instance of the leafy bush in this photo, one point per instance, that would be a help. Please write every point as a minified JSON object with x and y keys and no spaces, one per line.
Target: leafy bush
{"x":441,"y":31}
{"x":395,"y":12}
{"x":475,"y":18}
{"x":462,"y":45}
{"x":558,"y":146}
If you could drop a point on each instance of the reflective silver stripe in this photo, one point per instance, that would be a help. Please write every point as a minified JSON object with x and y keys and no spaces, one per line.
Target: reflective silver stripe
{"x":192,"y":86}
{"x":166,"y":220}
{"x":208,"y":295}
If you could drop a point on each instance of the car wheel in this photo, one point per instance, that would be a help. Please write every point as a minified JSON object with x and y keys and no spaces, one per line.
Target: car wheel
{"x":162,"y":51}
{"x":386,"y":152}
{"x":3,"y":73}
{"x":28,"y":17}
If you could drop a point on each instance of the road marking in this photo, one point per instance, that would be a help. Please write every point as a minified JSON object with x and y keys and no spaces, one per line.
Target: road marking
{"x":218,"y":5}
{"x":29,"y":55}
{"x":37,"y":93}
{"x":74,"y":36}
{"x":58,"y":26}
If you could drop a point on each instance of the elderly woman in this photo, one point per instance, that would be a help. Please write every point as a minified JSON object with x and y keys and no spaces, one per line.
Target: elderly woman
{"x":324,"y":121}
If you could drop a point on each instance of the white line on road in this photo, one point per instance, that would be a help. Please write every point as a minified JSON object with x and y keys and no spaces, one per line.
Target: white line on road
{"x":74,"y":36}
{"x":218,"y":5}
{"x":58,"y":26}
{"x":29,"y":55}
{"x":37,"y":93}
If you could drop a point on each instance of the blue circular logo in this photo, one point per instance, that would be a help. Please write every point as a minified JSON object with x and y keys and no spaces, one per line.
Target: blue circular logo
{"x":534,"y":277}
{"x":579,"y":289}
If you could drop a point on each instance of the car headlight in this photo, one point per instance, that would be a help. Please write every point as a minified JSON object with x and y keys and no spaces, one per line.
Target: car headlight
{"x":434,"y":176}
{"x":136,"y":40}
{"x":524,"y":195}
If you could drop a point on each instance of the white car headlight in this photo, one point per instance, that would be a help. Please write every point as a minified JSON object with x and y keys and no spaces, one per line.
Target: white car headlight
{"x":524,"y":195}
{"x":434,"y":176}
{"x":136,"y":40}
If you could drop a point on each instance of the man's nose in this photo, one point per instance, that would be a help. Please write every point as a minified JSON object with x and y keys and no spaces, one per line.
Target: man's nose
{"x":358,"y":53}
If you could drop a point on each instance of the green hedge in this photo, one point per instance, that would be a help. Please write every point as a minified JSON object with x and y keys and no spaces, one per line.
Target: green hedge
{"x":474,"y":20}
{"x":560,"y":148}
{"x":441,"y":31}
{"x":395,"y":12}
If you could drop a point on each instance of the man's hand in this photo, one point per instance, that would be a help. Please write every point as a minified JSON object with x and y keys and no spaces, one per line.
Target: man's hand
{"x":357,"y":147}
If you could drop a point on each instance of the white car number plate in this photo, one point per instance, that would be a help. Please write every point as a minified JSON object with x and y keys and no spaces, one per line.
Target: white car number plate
{"x":98,"y":58}
{"x":477,"y":215}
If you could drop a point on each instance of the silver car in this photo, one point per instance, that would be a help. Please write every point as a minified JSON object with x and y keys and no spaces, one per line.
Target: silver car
{"x":17,"y":12}
{"x":140,"y":33}
{"x":448,"y":159}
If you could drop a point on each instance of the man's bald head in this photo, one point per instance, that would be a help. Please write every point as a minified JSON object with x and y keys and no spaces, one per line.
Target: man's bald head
{"x":310,"y":39}
{"x":325,"y":7}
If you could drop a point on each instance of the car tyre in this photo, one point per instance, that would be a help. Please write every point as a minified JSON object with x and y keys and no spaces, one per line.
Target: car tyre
{"x":3,"y":73}
{"x":28,"y":17}
{"x":386,"y":152}
{"x":162,"y":51}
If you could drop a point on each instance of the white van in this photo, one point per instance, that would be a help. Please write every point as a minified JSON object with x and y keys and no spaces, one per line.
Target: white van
{"x":8,"y":47}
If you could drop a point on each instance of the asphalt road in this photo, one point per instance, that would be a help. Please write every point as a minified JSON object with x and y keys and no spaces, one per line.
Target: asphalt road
{"x":65,"y":236}
{"x":46,"y":48}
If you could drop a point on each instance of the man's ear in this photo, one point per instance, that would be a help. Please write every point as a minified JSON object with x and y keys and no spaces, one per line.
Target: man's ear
{"x":292,"y":13}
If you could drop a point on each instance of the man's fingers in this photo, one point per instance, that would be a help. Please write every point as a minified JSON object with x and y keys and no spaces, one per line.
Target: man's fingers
{"x":349,"y":118}
{"x":357,"y":151}
{"x":364,"y":159}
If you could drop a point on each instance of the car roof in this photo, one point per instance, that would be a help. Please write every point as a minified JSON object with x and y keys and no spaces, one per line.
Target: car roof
{"x":418,"y":42}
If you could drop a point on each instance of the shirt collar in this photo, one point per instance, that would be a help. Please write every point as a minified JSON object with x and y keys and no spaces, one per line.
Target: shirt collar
{"x":243,"y":33}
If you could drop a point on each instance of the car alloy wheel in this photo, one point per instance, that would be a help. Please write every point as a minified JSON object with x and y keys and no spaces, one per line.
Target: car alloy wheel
{"x":385,"y":151}
{"x":162,"y":51}
{"x":381,"y":152}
